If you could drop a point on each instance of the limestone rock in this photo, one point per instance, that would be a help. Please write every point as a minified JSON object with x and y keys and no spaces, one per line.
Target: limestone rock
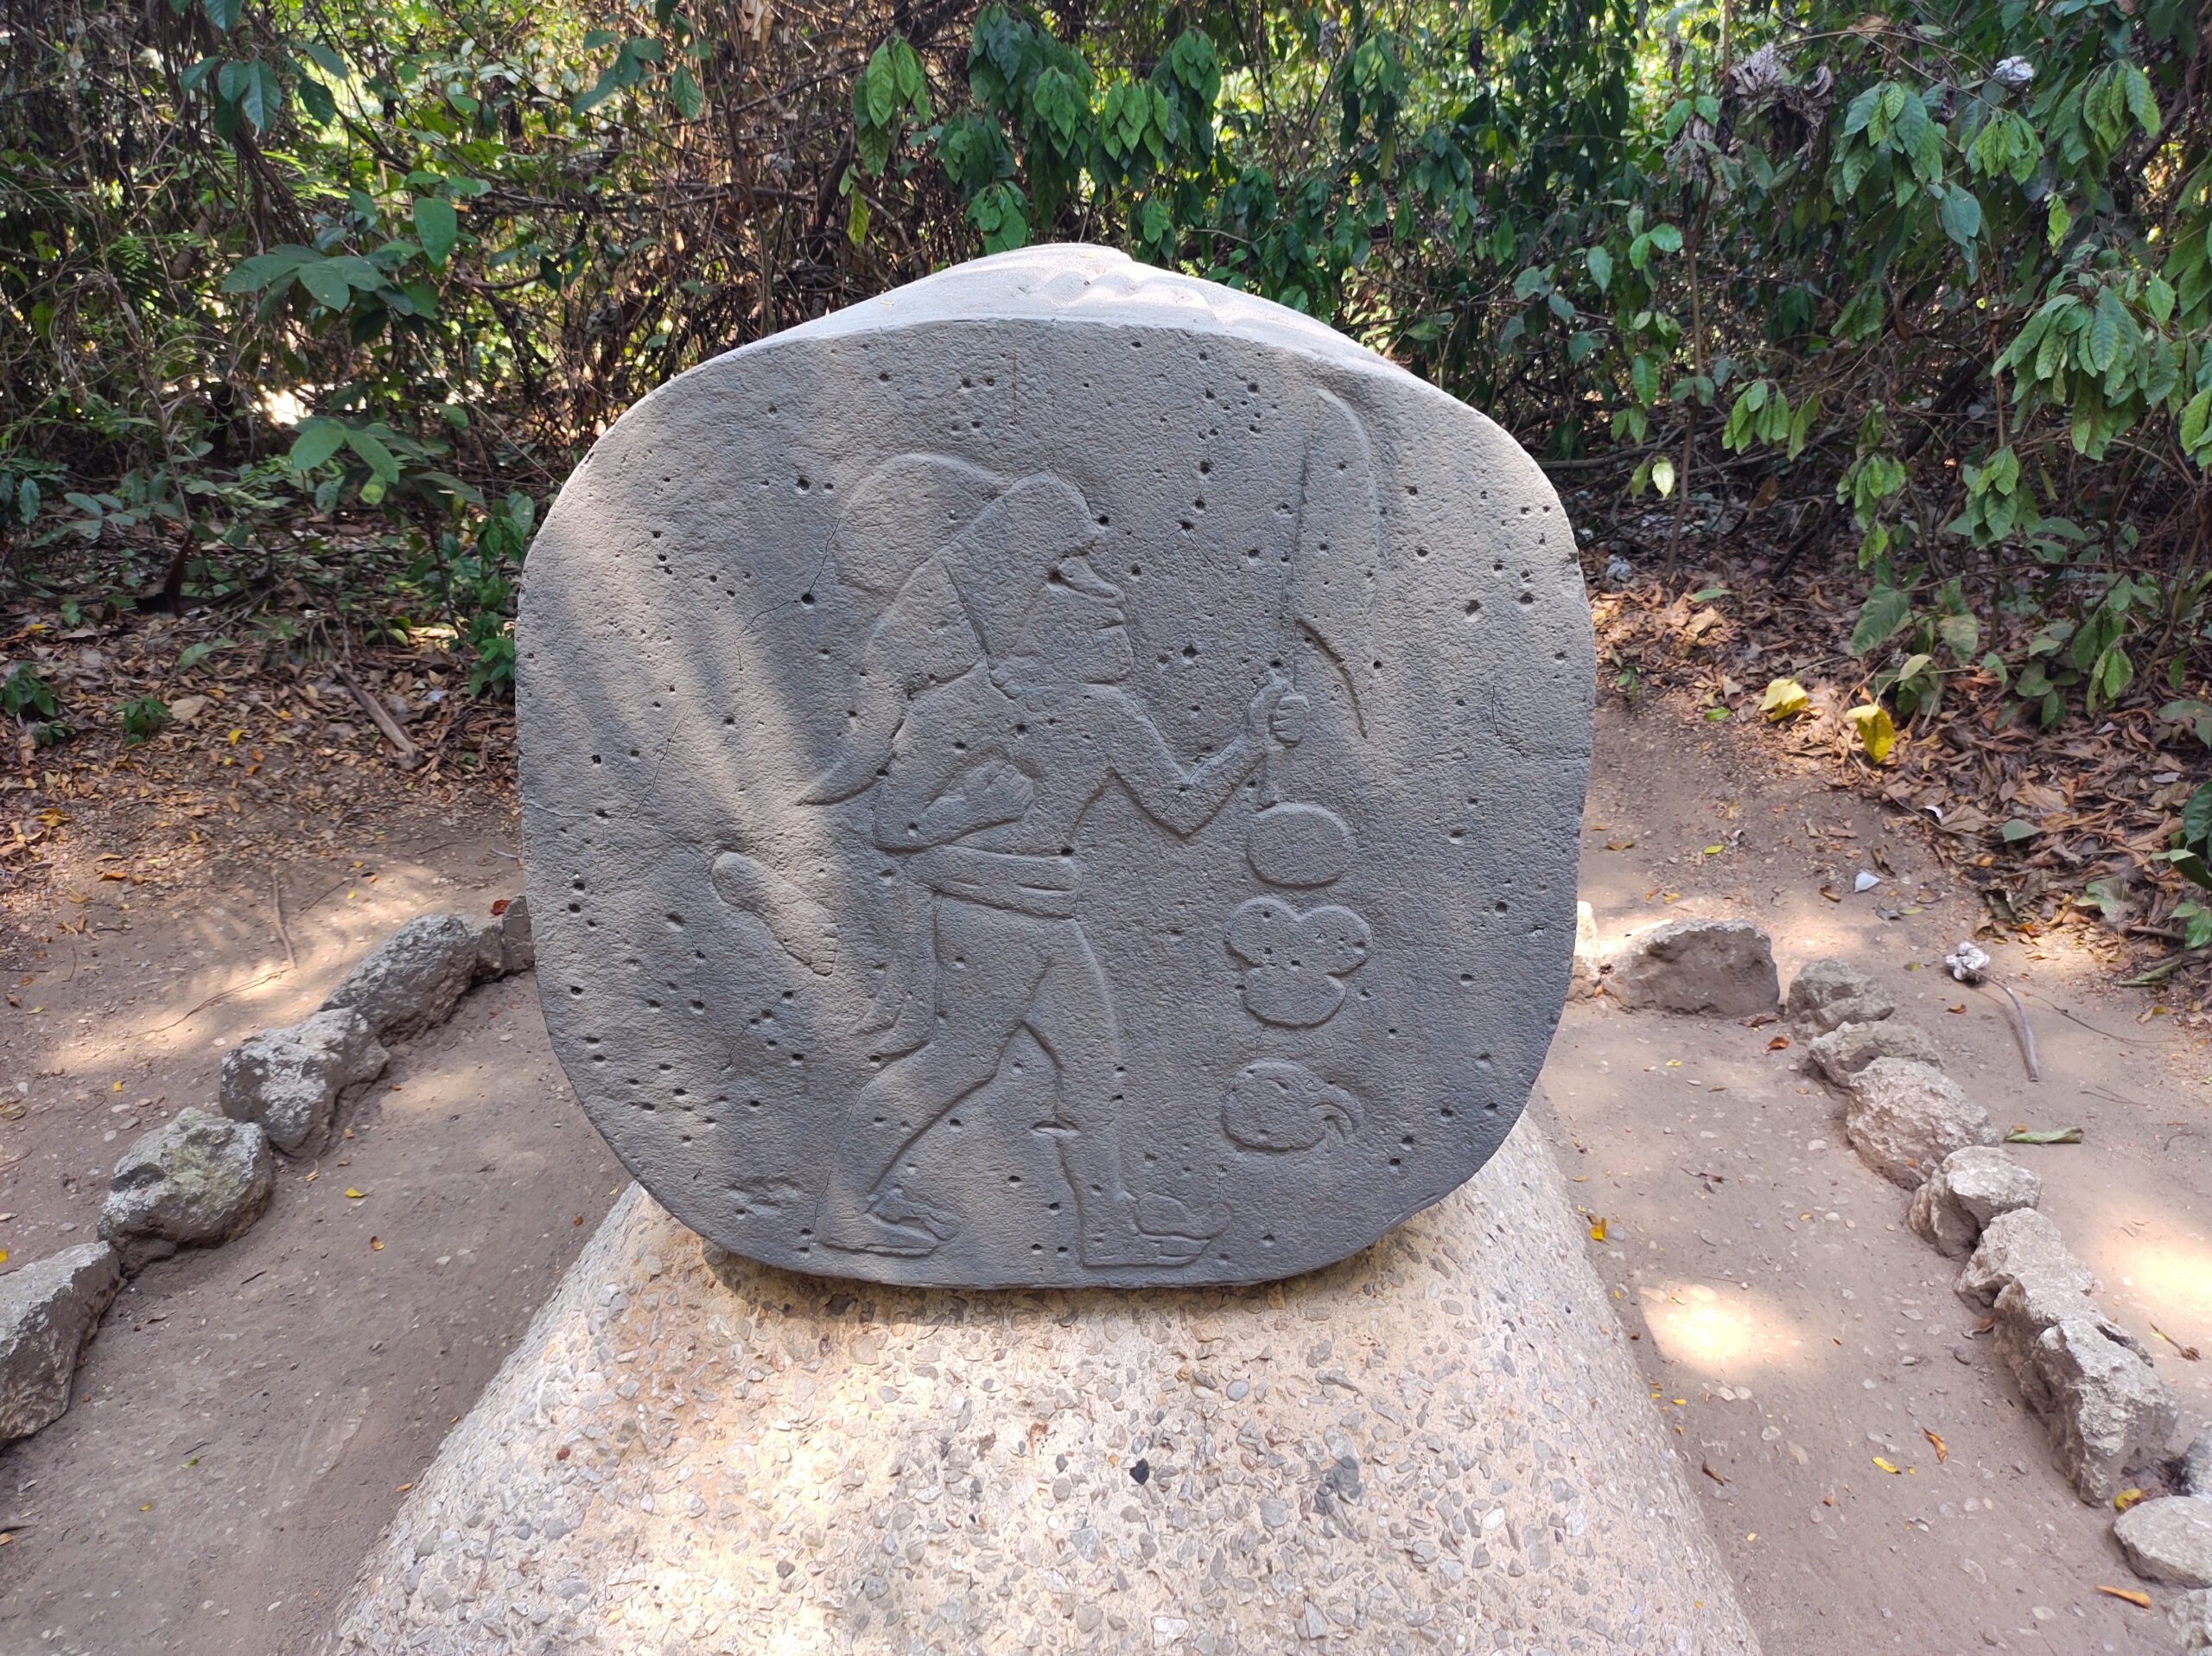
{"x":2021,"y":1242}
{"x":2190,"y":1616}
{"x":519,"y":944}
{"x":48,"y":1311}
{"x":1970,"y":1187}
{"x":2028,"y":1307}
{"x":1104,"y":1451}
{"x":1904,"y":1118}
{"x":1849,"y":1047}
{"x":1721,"y":966}
{"x":504,"y":944}
{"x":198,"y":1181}
{"x":2107,"y":1411}
{"x":1587,"y":966}
{"x":289,"y":1080}
{"x":2192,"y":1470}
{"x":1829,"y":992}
{"x":410,"y":982}
{"x":2168,"y":1539}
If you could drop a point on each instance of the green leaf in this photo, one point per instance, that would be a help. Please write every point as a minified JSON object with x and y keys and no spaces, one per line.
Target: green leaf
{"x":2142,"y":102}
{"x":683,"y":87}
{"x":2044,"y":1136}
{"x":1962,"y":633}
{"x":370,"y":448}
{"x":2019,"y":828}
{"x":2101,"y":340}
{"x":1663,"y":475}
{"x":328,"y":285}
{"x":1601,"y":268}
{"x":318,"y":439}
{"x":1884,"y":611}
{"x":1666,"y":238}
{"x":315,"y":98}
{"x":1961,"y":212}
{"x":265,"y":270}
{"x":436,"y":228}
{"x":222,"y":13}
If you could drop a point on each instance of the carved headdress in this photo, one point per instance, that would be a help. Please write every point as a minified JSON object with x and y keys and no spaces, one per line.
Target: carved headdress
{"x":963,"y":557}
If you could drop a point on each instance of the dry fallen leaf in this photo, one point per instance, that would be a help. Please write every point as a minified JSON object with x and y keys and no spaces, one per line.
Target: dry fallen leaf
{"x":404,"y":1488}
{"x":2126,"y":1498}
{"x":376,"y":1244}
{"x":1706,"y":1467}
{"x":355,"y":1195}
{"x":1786,"y":698}
{"x":1885,"y":1466}
{"x":1877,"y":732}
{"x":2140,"y":1601}
{"x":1596,"y":1230}
{"x":1778,"y":1043}
{"x":1760,"y":1020}
{"x":1942,"y":1449}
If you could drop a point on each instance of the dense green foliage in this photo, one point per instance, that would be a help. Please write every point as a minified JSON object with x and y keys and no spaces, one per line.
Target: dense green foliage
{"x":1928,"y":286}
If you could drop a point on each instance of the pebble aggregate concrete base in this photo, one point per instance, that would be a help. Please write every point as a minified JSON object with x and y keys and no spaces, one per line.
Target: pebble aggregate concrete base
{"x":1438,"y":1444}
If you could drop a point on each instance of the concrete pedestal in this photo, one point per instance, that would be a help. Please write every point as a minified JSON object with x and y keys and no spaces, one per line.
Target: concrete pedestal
{"x":1437,"y":1445}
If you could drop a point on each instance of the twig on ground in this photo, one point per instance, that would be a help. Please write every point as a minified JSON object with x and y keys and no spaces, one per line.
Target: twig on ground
{"x":410,"y":755}
{"x":1970,"y":965}
{"x":284,"y":936}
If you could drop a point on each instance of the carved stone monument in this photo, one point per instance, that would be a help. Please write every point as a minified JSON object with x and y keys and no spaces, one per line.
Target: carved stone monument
{"x":1062,"y":773}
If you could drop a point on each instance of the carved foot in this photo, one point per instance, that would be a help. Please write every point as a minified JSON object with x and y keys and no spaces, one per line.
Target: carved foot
{"x":1150,"y":1231}
{"x":895,"y":1207}
{"x":851,"y":1233}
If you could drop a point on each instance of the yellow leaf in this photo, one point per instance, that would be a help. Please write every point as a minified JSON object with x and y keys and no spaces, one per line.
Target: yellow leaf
{"x":1714,"y":851}
{"x":355,"y":1195}
{"x":117,"y":1088}
{"x":2140,"y":1601}
{"x":403,"y":1487}
{"x":1877,"y":732}
{"x":1942,"y":1449}
{"x":1786,"y":698}
{"x":234,"y":740}
{"x":2126,"y":1498}
{"x":1596,"y":1230}
{"x":4,"y":1255}
{"x":376,"y":1244}
{"x":1885,"y":1466}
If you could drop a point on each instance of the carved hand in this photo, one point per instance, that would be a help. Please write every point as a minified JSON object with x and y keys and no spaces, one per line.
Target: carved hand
{"x":997,"y":791}
{"x":1278,"y":712}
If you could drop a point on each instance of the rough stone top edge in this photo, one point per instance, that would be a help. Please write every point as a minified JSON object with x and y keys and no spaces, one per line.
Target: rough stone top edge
{"x":1080,"y":282}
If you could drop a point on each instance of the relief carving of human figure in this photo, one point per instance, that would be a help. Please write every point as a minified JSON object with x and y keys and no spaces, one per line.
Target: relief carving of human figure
{"x":998,"y":743}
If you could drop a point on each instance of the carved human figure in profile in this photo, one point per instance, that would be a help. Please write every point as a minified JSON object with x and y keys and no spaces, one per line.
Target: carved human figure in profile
{"x":993,"y":711}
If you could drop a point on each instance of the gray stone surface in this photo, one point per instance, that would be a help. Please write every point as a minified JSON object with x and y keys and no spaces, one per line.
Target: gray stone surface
{"x":1720,"y":966}
{"x":48,"y":1311}
{"x":415,"y":978}
{"x":1849,"y":1047}
{"x":1968,"y":1188}
{"x":1903,"y":1118}
{"x":1587,"y":960}
{"x":1060,"y":774}
{"x":2193,"y":1467}
{"x":2027,"y":1306}
{"x":2168,"y":1539}
{"x":289,"y":1080}
{"x":1829,"y":992}
{"x":2021,"y":1242}
{"x":2190,"y":1616}
{"x":1437,"y":1445}
{"x":196,"y":1180}
{"x":2108,"y":1412}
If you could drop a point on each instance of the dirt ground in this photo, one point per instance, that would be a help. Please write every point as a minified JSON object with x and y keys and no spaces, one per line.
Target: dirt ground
{"x":248,"y":1418}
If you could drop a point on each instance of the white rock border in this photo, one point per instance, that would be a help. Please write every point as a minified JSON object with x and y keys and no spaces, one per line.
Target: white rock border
{"x":403,"y":987}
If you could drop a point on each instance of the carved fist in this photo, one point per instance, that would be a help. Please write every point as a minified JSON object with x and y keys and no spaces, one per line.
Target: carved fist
{"x":998,"y":792}
{"x":1278,"y":712}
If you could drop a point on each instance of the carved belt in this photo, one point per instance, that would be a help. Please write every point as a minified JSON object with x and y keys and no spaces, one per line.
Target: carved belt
{"x":1041,"y":886}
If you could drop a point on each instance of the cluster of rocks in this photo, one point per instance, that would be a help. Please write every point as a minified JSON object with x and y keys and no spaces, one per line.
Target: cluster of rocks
{"x":2108,"y":1413}
{"x":201,"y":1179}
